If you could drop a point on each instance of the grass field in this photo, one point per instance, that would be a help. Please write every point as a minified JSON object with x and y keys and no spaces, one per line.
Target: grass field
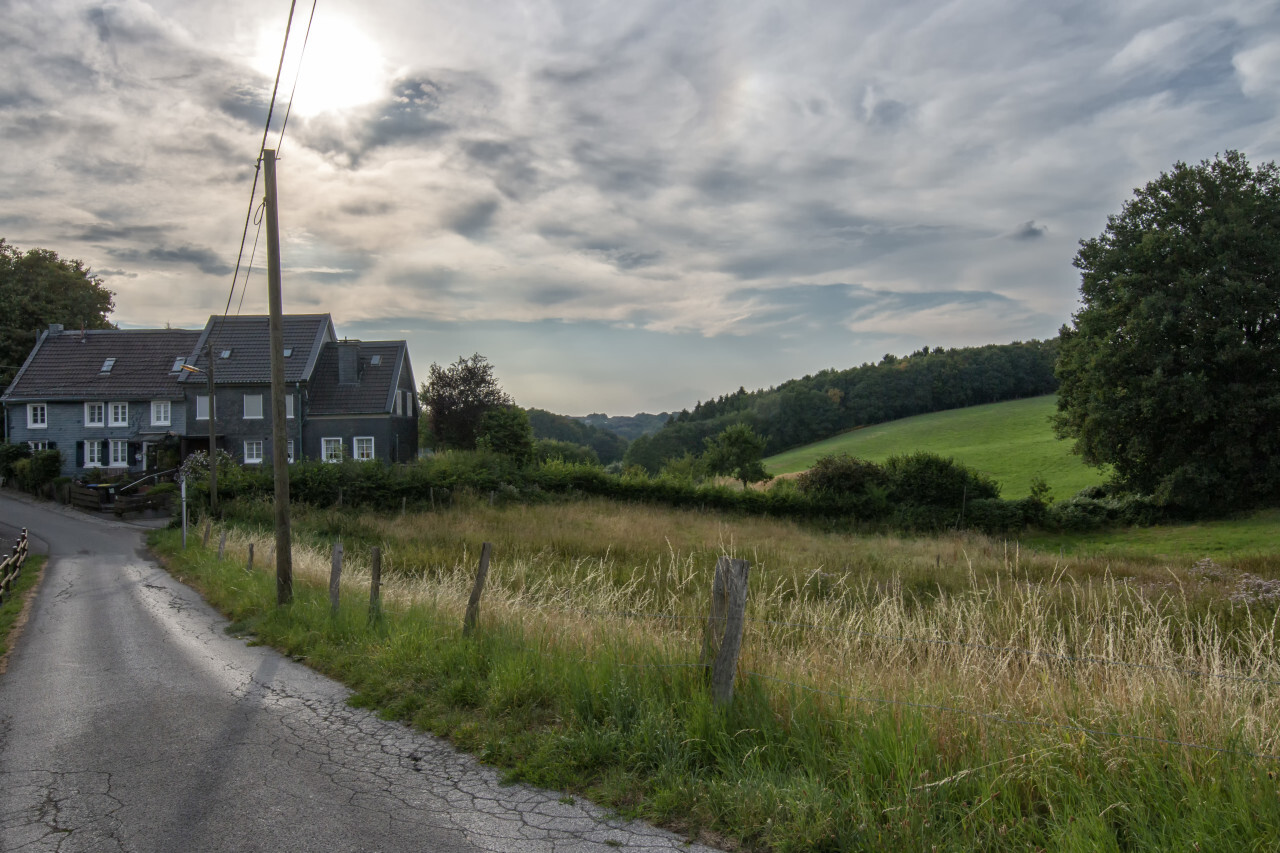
{"x":1011,"y":441}
{"x":949,"y":693}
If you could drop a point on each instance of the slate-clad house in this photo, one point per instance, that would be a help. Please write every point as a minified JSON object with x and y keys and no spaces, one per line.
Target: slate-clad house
{"x":104,"y":398}
{"x":356,"y":385}
{"x":345,"y":399}
{"x":107,"y":398}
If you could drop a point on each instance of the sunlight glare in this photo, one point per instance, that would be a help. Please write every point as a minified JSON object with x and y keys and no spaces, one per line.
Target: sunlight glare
{"x":342,"y":68}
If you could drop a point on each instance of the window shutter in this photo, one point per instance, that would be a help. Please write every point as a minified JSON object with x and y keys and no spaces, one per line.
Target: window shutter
{"x":79,"y":454}
{"x":53,"y":445}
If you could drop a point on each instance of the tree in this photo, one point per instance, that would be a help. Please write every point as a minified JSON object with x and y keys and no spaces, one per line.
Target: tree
{"x":737,"y":451}
{"x":1170,"y":372}
{"x":456,"y":398}
{"x":38,"y":288}
{"x":506,"y":430}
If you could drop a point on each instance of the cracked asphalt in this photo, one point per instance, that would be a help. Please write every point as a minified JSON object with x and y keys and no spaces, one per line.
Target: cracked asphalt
{"x":129,"y":721}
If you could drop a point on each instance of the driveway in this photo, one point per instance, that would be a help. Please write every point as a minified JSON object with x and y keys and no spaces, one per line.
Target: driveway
{"x":129,"y":721}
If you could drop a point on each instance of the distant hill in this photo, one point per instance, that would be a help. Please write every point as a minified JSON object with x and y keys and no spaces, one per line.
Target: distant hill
{"x":608,"y":445}
{"x":631,"y":427}
{"x":1011,"y":441}
{"x":801,"y":411}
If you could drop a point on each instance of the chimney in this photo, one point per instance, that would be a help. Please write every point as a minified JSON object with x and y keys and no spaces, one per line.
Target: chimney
{"x":55,"y":328}
{"x":348,"y":363}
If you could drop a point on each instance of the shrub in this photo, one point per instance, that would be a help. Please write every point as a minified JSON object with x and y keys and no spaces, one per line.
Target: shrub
{"x":38,"y":471}
{"x":546,"y":449}
{"x":927,"y":479}
{"x":841,"y":474}
{"x":9,"y":456}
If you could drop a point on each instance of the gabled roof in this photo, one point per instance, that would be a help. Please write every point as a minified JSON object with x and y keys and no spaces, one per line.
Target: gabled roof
{"x":68,"y":365}
{"x":247,"y":339}
{"x":374,"y":392}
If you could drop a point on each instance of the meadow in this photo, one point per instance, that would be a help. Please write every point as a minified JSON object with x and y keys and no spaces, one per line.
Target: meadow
{"x":1010,"y":441}
{"x":949,"y":693}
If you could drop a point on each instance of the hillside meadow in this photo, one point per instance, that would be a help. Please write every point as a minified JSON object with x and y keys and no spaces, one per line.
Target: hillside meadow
{"x":951,"y":693}
{"x":1010,"y":441}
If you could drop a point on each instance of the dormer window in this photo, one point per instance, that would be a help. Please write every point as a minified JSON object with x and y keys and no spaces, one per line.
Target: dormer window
{"x":107,"y":365}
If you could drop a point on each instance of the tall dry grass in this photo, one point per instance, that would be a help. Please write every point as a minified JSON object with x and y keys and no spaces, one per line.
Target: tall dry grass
{"x":974,"y":625}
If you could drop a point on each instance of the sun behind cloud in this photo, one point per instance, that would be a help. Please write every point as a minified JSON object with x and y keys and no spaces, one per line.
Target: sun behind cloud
{"x":342,"y":67}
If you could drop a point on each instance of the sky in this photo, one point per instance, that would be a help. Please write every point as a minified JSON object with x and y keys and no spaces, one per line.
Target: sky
{"x":626,"y":206}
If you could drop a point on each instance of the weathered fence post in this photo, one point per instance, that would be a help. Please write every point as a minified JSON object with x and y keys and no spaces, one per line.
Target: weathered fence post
{"x":208,"y":528}
{"x":432,"y":491}
{"x":249,"y":566}
{"x":375,"y":584}
{"x":473,"y":606}
{"x":222,"y":545}
{"x":335,"y":577}
{"x":403,"y":500}
{"x":723,"y":640}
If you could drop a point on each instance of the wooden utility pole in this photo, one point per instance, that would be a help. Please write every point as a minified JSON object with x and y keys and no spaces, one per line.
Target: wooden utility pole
{"x":279,"y":435}
{"x":213,"y":433}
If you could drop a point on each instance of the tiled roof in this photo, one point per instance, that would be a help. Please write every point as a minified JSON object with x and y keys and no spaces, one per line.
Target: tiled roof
{"x":372,"y":393}
{"x":247,"y":340}
{"x":68,"y":365}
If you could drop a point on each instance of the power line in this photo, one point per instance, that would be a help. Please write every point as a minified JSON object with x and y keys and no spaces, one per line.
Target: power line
{"x":257,"y":169}
{"x":297,"y":75}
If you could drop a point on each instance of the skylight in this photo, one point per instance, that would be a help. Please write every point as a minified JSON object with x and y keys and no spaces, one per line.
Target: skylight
{"x":375,"y":360}
{"x":226,"y":353}
{"x":177,"y":364}
{"x":107,"y":365}
{"x":288,"y":351}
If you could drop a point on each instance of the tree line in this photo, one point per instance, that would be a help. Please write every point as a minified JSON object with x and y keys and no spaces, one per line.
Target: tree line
{"x":802,"y":411}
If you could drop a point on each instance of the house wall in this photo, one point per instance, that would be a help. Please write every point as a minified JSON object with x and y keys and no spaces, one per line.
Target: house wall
{"x":346,"y":427}
{"x":66,"y":426}
{"x":233,"y":428}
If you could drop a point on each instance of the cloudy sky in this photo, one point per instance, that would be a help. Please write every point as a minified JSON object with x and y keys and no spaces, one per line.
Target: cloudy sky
{"x":627,"y":206}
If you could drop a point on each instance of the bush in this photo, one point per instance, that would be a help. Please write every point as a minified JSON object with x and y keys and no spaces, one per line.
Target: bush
{"x":41,"y":469}
{"x":927,"y":479}
{"x":546,"y":449}
{"x":9,"y":456}
{"x":841,"y":474}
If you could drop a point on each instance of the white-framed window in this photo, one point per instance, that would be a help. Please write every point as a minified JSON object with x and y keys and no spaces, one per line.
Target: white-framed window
{"x":161,"y":414}
{"x":93,"y":454}
{"x":37,"y":416}
{"x":119,"y":453}
{"x":253,"y":452}
{"x":253,"y":407}
{"x":362,"y":448}
{"x":119,"y":414}
{"x":288,"y":405}
{"x":202,"y":407}
{"x":95,"y":414}
{"x":395,"y":405}
{"x":38,"y":445}
{"x":290,"y":451}
{"x":331,"y":449}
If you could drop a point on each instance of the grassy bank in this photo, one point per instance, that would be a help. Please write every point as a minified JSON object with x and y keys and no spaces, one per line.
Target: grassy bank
{"x":14,"y":602}
{"x":1011,"y":441}
{"x":954,"y":694}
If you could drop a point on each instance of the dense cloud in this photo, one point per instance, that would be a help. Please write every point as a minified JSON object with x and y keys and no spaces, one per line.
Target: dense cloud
{"x":803,"y":186}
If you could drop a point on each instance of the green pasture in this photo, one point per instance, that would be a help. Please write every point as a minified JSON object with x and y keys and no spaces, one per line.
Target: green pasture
{"x":1010,"y":441}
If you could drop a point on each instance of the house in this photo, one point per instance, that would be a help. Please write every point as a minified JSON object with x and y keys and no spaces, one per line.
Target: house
{"x":108,"y":399}
{"x":343,"y":399}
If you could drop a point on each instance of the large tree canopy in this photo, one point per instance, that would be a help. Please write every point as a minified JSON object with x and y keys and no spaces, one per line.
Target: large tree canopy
{"x":457,"y":397}
{"x":1170,"y":372}
{"x":38,"y":288}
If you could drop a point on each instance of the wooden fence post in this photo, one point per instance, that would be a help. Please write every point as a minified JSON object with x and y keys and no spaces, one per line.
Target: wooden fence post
{"x":335,"y":577}
{"x":222,"y":545}
{"x":403,"y":500}
{"x":249,"y":566}
{"x":728,"y":608}
{"x":375,"y":584}
{"x":473,"y":606}
{"x":208,"y":528}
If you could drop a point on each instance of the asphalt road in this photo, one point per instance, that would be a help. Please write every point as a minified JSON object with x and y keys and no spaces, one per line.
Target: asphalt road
{"x":129,"y":721}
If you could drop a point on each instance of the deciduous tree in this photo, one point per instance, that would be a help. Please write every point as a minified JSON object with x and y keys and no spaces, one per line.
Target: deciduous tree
{"x":456,"y":398}
{"x":1170,"y":372}
{"x":737,"y":451}
{"x":38,"y":288}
